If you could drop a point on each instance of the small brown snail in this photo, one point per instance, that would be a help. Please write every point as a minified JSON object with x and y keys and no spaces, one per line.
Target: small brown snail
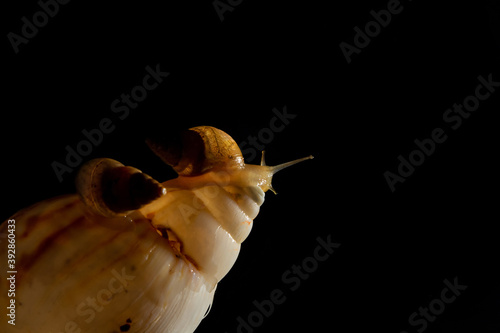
{"x":130,"y":254}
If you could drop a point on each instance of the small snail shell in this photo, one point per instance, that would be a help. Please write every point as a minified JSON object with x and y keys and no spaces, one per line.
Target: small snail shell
{"x":200,"y":149}
{"x":109,"y":188}
{"x":130,"y":254}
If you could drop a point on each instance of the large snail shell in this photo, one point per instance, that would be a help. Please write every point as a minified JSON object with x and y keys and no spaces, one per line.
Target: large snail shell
{"x":75,"y":273}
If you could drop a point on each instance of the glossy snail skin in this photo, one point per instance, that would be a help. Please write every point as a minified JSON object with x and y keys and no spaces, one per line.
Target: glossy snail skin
{"x":129,"y":254}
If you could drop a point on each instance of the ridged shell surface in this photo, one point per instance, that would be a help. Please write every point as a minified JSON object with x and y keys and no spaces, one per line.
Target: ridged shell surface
{"x":79,"y":272}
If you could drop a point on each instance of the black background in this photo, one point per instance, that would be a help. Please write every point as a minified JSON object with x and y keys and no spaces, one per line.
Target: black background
{"x":397,"y":248}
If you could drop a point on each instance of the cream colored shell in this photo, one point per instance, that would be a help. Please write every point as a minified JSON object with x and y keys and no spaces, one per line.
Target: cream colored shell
{"x":154,"y":269}
{"x":67,"y":257}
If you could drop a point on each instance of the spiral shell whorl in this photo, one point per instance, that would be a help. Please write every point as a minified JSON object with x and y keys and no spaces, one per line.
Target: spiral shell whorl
{"x":198,"y":150}
{"x":209,"y":223}
{"x":108,"y":188}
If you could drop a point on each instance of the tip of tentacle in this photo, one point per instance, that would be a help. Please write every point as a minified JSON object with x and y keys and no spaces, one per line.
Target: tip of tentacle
{"x":276,"y":168}
{"x":282,"y":166}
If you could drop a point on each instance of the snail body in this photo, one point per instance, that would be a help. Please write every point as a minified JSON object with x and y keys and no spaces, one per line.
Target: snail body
{"x":130,"y":254}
